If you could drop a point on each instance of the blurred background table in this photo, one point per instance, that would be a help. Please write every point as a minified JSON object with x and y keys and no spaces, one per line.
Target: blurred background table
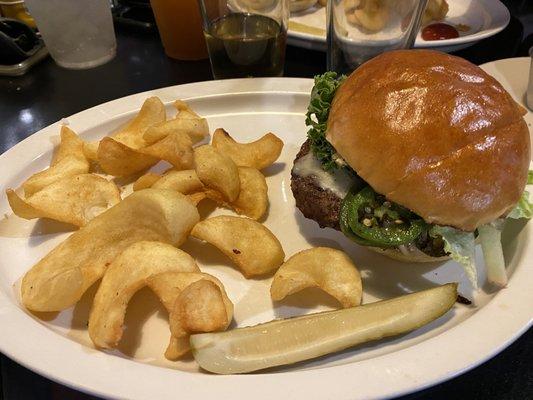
{"x":48,"y":93}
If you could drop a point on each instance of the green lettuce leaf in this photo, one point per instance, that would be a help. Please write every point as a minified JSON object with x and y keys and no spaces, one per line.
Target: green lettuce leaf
{"x":317,"y":117}
{"x":461,"y":246}
{"x":523,"y":209}
{"x":530,"y":177}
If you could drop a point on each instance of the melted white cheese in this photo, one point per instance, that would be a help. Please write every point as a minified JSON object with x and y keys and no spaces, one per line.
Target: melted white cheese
{"x":338,"y":181}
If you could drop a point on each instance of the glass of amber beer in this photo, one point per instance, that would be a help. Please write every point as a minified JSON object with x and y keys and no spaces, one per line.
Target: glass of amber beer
{"x":245,"y":38}
{"x":180,"y":27}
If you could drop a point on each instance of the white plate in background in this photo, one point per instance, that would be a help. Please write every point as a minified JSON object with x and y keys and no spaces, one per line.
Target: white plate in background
{"x":486,"y":18}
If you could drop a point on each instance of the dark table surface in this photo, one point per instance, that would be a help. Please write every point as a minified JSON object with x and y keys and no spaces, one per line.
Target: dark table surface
{"x":48,"y":93}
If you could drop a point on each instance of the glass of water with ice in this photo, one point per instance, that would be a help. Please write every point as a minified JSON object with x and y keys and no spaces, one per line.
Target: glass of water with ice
{"x":78,"y":34}
{"x":359,"y":30}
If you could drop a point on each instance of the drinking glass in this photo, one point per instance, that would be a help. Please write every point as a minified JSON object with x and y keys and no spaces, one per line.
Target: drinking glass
{"x":359,"y":30}
{"x":78,"y":34}
{"x":245,"y":37}
{"x":180,"y":27}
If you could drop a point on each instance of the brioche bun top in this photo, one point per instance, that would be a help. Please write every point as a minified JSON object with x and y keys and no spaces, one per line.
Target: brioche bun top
{"x":433,"y":133}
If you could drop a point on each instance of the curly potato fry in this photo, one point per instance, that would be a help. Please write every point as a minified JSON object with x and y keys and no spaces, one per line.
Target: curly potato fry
{"x":185,"y":182}
{"x":59,"y":280}
{"x":217,"y":171}
{"x":145,"y":181}
{"x":250,"y":245}
{"x":117,"y":159}
{"x":82,"y":197}
{"x":68,"y":160}
{"x":259,"y":154}
{"x":192,"y":307}
{"x":149,"y":137}
{"x":253,"y":196}
{"x":127,"y":274}
{"x":186,"y":121}
{"x":329,"y":269}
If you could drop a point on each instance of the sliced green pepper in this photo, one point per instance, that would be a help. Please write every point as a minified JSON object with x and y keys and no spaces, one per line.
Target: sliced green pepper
{"x":391,"y":236}
{"x":345,"y":226}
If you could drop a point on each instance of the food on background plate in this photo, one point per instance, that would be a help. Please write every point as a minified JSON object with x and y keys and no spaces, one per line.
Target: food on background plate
{"x":412,"y":154}
{"x":439,"y":31}
{"x":59,"y":280}
{"x":258,"y":154}
{"x":301,"y":5}
{"x":287,"y":341}
{"x":68,"y":160}
{"x":250,"y":245}
{"x":436,"y":10}
{"x":374,"y":15}
{"x":329,"y":269}
{"x":128,"y":273}
{"x":191,"y":309}
{"x":73,"y":199}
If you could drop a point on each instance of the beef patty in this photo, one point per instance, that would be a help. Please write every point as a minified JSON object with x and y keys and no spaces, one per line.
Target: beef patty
{"x":323,"y":206}
{"x":320,"y":205}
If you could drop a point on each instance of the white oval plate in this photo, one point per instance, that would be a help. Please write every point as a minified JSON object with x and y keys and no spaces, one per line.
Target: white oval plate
{"x":58,"y":347}
{"x":485,"y":18}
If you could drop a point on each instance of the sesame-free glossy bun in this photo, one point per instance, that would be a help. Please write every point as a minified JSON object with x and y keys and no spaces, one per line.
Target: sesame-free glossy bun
{"x":435,"y":134}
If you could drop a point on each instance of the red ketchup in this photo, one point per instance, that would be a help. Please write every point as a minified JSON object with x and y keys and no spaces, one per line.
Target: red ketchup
{"x":439,"y":31}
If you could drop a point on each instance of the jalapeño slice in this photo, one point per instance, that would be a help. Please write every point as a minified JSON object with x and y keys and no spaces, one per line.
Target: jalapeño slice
{"x":402,"y":232}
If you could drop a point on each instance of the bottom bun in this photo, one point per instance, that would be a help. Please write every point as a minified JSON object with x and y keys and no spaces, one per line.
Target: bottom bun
{"x":415,"y":256}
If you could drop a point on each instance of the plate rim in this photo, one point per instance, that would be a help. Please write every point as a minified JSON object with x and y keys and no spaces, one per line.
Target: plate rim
{"x":494,"y":5}
{"x":88,"y":370}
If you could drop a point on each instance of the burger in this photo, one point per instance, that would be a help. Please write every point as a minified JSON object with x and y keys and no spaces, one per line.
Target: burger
{"x":417,"y":155}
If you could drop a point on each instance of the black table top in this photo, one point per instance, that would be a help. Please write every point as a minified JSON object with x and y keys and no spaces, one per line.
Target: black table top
{"x":48,"y":93}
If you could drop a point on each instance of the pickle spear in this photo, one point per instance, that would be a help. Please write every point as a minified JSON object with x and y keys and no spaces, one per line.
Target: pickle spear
{"x":287,"y":341}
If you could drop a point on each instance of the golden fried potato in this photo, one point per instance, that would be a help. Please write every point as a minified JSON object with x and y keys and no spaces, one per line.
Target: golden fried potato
{"x":250,"y":245}
{"x":128,"y":273}
{"x":191,"y":307}
{"x":196,"y":198}
{"x":145,"y":181}
{"x":185,"y":182}
{"x":117,"y":159}
{"x":186,"y":121}
{"x":329,"y":269}
{"x":217,"y":171}
{"x":59,"y":280}
{"x":74,"y":200}
{"x":90,"y":150}
{"x":149,"y":138}
{"x":132,"y":135}
{"x":68,"y":160}
{"x":176,"y":148}
{"x":253,"y":196}
{"x":200,"y":308}
{"x":119,"y":154}
{"x":70,"y":145}
{"x":259,"y":154}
